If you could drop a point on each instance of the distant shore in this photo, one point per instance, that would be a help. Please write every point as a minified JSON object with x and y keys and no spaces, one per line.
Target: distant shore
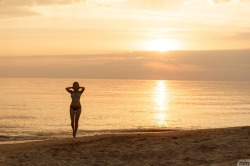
{"x":193,"y":147}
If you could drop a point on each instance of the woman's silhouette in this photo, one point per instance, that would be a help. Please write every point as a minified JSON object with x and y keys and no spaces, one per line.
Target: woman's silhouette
{"x":75,"y":106}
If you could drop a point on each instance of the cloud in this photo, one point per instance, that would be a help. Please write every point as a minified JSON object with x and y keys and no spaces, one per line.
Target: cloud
{"x":242,"y":36}
{"x":22,"y":3}
{"x":226,"y":1}
{"x":224,"y":65}
{"x":220,"y":1}
{"x":16,"y":12}
{"x":239,"y":36}
{"x":21,"y":8}
{"x":154,"y":4}
{"x":150,"y":5}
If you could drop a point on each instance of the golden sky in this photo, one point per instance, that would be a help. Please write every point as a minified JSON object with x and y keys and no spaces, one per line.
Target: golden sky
{"x":69,"y":27}
{"x":126,"y":39}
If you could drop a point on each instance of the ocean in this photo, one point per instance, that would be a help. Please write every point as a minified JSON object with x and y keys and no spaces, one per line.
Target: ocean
{"x":38,"y":108}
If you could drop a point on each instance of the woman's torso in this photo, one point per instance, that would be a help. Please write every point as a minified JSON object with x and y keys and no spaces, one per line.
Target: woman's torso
{"x":75,"y":99}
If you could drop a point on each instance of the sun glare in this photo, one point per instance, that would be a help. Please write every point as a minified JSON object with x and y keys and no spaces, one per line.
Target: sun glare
{"x":161,"y":103}
{"x":162,"y":45}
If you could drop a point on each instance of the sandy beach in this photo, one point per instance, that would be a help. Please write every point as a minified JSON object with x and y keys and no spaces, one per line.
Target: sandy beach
{"x":194,"y":147}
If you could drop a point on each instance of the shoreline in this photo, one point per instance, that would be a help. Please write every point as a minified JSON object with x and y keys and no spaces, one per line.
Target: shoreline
{"x":15,"y":139}
{"x":68,"y":135}
{"x":222,"y":146}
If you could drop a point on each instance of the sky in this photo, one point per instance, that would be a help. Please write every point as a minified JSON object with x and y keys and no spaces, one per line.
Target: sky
{"x":134,"y":39}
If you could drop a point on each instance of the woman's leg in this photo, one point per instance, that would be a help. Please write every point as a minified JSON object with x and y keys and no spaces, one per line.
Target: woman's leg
{"x":72,"y":117}
{"x":77,"y":116}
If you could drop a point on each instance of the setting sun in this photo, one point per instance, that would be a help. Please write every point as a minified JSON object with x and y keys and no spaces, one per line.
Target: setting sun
{"x":162,"y":45}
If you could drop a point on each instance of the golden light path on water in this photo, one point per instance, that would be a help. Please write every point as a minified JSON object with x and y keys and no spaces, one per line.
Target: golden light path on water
{"x":161,"y":103}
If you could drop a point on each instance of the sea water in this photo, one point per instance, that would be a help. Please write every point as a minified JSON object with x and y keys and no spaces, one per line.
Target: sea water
{"x":38,"y":108}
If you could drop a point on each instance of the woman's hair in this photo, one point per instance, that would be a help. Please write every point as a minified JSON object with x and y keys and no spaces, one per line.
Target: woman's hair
{"x":75,"y":83}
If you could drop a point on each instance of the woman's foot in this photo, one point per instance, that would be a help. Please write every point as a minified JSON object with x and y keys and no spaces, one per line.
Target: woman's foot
{"x":74,"y":133}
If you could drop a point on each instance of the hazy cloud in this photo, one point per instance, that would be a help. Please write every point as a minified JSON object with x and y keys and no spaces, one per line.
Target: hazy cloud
{"x":20,"y":8}
{"x":178,"y":65}
{"x":226,"y":1}
{"x":239,"y":36}
{"x":154,"y":4}
{"x":220,"y":1}
{"x":7,"y":12}
{"x":141,"y":4}
{"x":21,"y":3}
{"x":242,"y":36}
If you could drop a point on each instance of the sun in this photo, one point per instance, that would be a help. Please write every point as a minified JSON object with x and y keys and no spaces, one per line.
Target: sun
{"x":162,"y":45}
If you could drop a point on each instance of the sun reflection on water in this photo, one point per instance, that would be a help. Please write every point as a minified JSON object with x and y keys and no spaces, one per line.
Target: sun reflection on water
{"x":161,"y":103}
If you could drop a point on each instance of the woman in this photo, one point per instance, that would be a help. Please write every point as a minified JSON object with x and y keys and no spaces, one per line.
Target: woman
{"x":75,"y":106}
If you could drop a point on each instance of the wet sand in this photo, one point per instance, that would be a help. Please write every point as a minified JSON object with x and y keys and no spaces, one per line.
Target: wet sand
{"x":195,"y":147}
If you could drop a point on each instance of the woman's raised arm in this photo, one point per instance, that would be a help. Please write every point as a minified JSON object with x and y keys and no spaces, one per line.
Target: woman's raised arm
{"x":82,"y":89}
{"x":68,"y":89}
